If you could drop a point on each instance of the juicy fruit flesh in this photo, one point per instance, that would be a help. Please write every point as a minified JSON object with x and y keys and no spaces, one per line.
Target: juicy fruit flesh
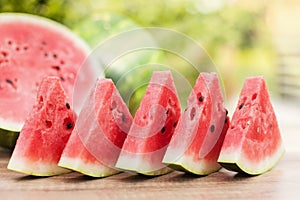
{"x":196,"y":143}
{"x":45,"y":132}
{"x":152,"y":128}
{"x":31,"y":48}
{"x":99,"y":134}
{"x":253,"y":141}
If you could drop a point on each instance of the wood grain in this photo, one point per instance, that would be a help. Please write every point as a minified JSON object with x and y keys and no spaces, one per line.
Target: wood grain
{"x":282,"y":182}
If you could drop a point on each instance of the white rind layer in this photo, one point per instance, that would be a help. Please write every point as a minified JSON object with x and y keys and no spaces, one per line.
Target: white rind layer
{"x":142,"y":164}
{"x":199,"y":167}
{"x":94,"y":170}
{"x":23,"y":165}
{"x":230,"y":156}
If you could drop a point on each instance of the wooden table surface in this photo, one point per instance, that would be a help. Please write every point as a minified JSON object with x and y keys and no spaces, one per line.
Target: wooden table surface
{"x":283,"y":182}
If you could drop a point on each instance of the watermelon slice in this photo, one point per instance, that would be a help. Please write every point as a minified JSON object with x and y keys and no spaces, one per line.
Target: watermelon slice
{"x":45,"y":132}
{"x":32,"y":47}
{"x":99,"y":133}
{"x":253,"y":143}
{"x":196,"y":143}
{"x":152,"y":127}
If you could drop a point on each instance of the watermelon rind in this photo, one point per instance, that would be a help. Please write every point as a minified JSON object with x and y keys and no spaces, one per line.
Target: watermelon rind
{"x":86,"y":168}
{"x":242,"y":165}
{"x":9,"y":131}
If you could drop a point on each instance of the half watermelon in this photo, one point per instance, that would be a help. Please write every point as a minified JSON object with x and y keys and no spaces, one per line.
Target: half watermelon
{"x":32,"y":47}
{"x":196,"y":143}
{"x":152,"y":127}
{"x":99,"y":133}
{"x":253,"y":143}
{"x":45,"y":132}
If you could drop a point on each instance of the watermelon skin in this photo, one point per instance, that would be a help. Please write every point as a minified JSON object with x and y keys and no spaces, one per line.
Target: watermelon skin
{"x":99,"y":133}
{"x":45,"y":132}
{"x":32,"y":47}
{"x":253,"y":143}
{"x":196,"y":143}
{"x":152,"y":128}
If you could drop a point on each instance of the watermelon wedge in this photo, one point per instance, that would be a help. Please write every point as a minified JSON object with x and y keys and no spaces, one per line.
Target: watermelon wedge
{"x":196,"y":143}
{"x":99,"y":133}
{"x":152,"y":127}
{"x":45,"y":132}
{"x":32,"y":47}
{"x":253,"y":143}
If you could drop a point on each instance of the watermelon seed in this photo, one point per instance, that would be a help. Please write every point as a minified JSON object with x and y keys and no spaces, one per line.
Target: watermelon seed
{"x":201,"y":98}
{"x":226,"y":112}
{"x":9,"y":42}
{"x":163,"y":130}
{"x":254,"y":96}
{"x":192,"y":113}
{"x":212,"y":128}
{"x":174,"y":124}
{"x":25,"y":48}
{"x":56,"y":67}
{"x":17,"y":48}
{"x":123,"y":117}
{"x":241,"y":106}
{"x":69,"y":125}
{"x":4,"y":53}
{"x":167,"y":112}
{"x":62,"y":78}
{"x":48,"y":124}
{"x":9,"y":81}
{"x":54,"y":55}
{"x":226,"y":120}
{"x":68,"y":105}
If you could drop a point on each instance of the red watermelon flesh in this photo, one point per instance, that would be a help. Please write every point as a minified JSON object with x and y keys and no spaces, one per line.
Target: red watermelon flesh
{"x":253,"y":142}
{"x":32,"y":47}
{"x":196,"y":143}
{"x":99,"y":133}
{"x":152,"y":127}
{"x":45,"y":132}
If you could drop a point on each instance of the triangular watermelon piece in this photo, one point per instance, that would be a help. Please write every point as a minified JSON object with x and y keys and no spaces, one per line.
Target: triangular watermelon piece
{"x":152,"y":127}
{"x":253,"y":142}
{"x":196,"y":143}
{"x":45,"y":132}
{"x":99,"y":133}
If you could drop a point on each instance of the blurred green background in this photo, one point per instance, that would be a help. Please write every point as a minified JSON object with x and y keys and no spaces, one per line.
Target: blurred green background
{"x":241,"y":37}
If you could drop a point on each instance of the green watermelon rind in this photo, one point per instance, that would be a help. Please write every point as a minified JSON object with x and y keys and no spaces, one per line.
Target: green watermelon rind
{"x":87,"y":169}
{"x":9,"y":132}
{"x":241,"y":165}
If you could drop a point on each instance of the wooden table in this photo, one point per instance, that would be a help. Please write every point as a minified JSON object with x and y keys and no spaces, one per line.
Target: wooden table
{"x":283,"y":182}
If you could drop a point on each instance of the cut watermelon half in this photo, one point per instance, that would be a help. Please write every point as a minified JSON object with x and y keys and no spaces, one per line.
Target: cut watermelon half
{"x":99,"y":133}
{"x":45,"y":132}
{"x":253,"y":143}
{"x":197,"y":141}
{"x":152,"y":127}
{"x":31,"y":48}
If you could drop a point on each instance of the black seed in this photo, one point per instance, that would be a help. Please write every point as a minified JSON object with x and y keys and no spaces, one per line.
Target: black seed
{"x":163,"y":130}
{"x":69,"y":125}
{"x":174,"y":124}
{"x":9,"y":81}
{"x":123,"y":117}
{"x":54,"y":55}
{"x":226,"y":112}
{"x":62,"y":78}
{"x":201,"y":98}
{"x":185,"y":109}
{"x":241,"y":106}
{"x":56,"y":67}
{"x":167,"y":111}
{"x":212,"y":128}
{"x":68,"y":105}
{"x":226,"y":120}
